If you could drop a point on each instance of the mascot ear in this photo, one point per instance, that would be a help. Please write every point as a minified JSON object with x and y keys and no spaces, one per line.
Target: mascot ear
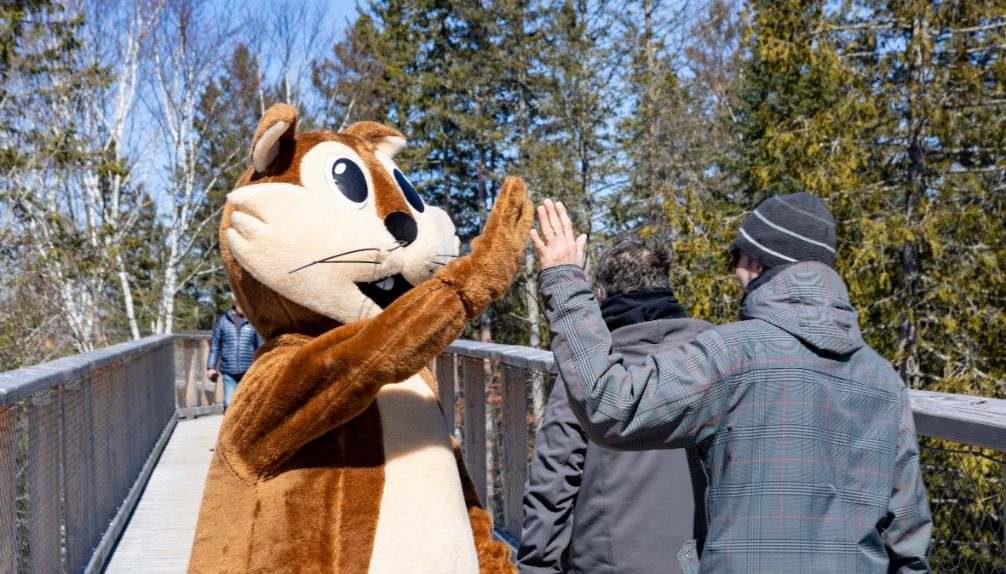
{"x":278,"y":124}
{"x":388,"y":141}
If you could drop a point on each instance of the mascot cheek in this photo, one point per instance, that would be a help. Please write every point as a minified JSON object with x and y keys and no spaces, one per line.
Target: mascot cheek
{"x":436,"y":246}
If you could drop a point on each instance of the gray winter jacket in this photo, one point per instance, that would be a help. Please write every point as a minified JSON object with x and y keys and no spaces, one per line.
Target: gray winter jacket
{"x":805,"y":432}
{"x":588,"y":509}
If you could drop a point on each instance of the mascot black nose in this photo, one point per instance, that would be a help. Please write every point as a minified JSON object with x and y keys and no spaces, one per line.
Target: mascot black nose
{"x":402,"y":226}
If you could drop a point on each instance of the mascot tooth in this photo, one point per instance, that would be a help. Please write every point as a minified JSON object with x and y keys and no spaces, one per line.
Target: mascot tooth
{"x":334,"y":455}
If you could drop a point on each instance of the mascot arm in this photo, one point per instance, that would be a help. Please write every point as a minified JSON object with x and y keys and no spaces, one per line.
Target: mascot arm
{"x":487,"y":273}
{"x":296,"y":396}
{"x":494,"y":556}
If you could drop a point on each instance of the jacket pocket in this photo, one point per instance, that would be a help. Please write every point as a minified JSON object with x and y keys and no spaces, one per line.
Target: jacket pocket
{"x":688,"y":557}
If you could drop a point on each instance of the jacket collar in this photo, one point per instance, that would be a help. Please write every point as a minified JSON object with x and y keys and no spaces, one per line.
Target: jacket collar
{"x":623,"y":309}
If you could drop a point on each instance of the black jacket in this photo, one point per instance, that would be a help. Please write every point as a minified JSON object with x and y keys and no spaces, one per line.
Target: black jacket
{"x":591,"y":510}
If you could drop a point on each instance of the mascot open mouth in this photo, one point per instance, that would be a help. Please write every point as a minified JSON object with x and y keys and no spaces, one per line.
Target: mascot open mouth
{"x":385,"y":291}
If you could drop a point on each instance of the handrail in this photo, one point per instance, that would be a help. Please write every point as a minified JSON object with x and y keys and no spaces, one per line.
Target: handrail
{"x":980,"y":421}
{"x":22,"y":383}
{"x":515,"y":355}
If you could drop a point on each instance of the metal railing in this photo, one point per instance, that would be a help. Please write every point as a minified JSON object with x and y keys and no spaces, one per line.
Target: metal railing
{"x":496,"y":395}
{"x":78,"y":439}
{"x":76,"y":435}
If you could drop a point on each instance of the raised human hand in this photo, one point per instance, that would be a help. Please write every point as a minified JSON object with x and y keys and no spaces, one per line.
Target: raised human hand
{"x":558,"y":243}
{"x":496,"y":255}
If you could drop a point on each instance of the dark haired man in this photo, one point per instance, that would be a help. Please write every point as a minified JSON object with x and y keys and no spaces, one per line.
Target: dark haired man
{"x":805,"y":432}
{"x":590,"y":509}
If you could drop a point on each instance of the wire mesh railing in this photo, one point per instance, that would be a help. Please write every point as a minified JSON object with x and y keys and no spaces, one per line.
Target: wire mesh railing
{"x":75,"y":436}
{"x":496,"y":394}
{"x":78,"y":435}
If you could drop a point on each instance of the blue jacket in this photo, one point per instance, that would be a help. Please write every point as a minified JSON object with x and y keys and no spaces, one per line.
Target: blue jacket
{"x":805,"y":432}
{"x":232,"y":346}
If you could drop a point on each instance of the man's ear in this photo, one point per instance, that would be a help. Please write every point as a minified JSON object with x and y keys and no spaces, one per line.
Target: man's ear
{"x":388,"y":141}
{"x":279,"y":124}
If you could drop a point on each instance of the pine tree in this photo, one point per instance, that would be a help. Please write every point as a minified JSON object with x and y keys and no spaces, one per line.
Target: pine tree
{"x":650,"y":133}
{"x":934,"y":241}
{"x":229,"y":110}
{"x":699,"y":200}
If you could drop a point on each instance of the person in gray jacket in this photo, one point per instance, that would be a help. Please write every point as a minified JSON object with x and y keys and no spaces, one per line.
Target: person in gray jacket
{"x":593,"y":510}
{"x":806,"y":434}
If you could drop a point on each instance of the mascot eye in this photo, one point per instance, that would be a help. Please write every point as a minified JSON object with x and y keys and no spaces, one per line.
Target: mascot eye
{"x":411,"y":195}
{"x":348,"y":179}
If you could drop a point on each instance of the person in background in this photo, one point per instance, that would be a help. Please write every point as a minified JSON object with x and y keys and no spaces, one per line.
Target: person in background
{"x":806,"y":433}
{"x":590,"y":509}
{"x":232,"y":347}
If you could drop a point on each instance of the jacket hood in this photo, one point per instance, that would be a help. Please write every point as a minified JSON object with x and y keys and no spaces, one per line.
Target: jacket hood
{"x":809,"y":301}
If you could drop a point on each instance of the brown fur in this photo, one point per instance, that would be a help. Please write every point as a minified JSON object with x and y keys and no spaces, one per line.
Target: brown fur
{"x":298,"y":473}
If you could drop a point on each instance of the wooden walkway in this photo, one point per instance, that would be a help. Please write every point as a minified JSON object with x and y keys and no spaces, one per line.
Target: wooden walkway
{"x":158,"y":537}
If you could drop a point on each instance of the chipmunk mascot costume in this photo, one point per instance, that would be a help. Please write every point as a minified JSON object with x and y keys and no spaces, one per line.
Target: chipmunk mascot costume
{"x":335,"y":456}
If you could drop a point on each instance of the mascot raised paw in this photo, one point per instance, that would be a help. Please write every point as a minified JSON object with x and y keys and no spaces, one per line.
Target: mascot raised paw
{"x":334,"y":455}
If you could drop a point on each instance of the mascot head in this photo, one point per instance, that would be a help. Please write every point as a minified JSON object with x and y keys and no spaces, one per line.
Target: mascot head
{"x":324,"y":229}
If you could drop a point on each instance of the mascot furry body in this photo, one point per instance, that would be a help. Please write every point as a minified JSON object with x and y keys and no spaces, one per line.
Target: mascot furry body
{"x":335,"y":456}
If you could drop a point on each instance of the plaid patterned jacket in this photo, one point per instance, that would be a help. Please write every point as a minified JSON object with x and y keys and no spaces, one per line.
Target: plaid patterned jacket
{"x":806,"y":434}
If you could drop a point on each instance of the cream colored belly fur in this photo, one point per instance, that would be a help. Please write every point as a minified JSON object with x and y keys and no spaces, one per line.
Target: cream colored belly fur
{"x":423,"y":525}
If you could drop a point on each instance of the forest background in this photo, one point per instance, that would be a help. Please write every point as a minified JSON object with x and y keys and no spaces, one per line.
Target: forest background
{"x":123,"y":125}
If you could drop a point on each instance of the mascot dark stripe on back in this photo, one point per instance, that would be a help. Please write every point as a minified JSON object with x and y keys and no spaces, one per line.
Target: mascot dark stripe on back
{"x":334,"y":455}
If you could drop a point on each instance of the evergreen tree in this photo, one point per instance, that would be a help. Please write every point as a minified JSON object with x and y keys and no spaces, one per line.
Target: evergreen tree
{"x":933,"y":243}
{"x":700,"y":201}
{"x":649,"y":134}
{"x":229,"y":111}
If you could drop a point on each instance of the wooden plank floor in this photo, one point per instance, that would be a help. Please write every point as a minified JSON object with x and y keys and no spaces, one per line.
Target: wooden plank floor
{"x":158,"y":537}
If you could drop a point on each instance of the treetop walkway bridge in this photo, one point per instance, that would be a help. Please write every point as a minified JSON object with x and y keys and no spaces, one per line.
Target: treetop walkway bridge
{"x":103,"y":455}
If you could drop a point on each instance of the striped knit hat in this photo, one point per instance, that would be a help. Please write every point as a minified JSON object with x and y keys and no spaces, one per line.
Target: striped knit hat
{"x":786,"y":229}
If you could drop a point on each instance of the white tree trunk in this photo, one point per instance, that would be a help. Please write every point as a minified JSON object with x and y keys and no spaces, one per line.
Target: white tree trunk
{"x":127,"y":296}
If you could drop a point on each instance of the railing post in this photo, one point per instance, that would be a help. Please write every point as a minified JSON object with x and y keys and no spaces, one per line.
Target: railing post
{"x":189,"y":358}
{"x":473,"y":377}
{"x":204,"y":354}
{"x":446,"y":372}
{"x":44,"y":482}
{"x":515,"y":445}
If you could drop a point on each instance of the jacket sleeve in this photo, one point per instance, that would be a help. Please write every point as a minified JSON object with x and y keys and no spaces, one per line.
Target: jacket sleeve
{"x":907,"y":537}
{"x":214,"y":356}
{"x":552,"y":485}
{"x":670,"y":400}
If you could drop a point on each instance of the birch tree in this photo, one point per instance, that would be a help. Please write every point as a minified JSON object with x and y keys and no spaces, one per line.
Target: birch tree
{"x":189,"y":43}
{"x":117,"y":37}
{"x":55,"y":233}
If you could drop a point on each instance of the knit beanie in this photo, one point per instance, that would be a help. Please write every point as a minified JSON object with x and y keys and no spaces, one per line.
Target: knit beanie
{"x":786,"y":229}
